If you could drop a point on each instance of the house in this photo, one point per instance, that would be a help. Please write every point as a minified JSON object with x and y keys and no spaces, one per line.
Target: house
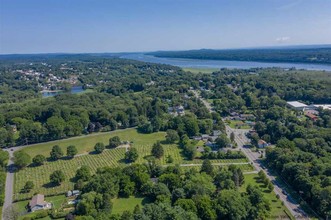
{"x":311,"y":116}
{"x":38,"y":203}
{"x":262,"y":144}
{"x":177,"y":110}
{"x":247,"y":117}
{"x":14,"y":128}
{"x":200,"y":149}
{"x":217,"y":133}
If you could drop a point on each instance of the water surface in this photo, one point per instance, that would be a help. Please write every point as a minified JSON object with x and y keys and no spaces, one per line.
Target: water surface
{"x":196,"y":63}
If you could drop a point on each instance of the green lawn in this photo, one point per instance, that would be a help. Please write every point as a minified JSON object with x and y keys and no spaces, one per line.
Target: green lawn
{"x":237,"y":124}
{"x":127,"y":204}
{"x":86,"y":143}
{"x":277,"y":209}
{"x":201,"y":70}
{"x":110,"y":157}
{"x":57,"y":201}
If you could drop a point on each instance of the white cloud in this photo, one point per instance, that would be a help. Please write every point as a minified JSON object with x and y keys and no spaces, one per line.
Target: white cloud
{"x":282,"y":39}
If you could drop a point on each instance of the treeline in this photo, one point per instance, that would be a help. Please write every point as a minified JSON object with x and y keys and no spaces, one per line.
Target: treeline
{"x":291,"y":55}
{"x":170,"y":193}
{"x":126,"y":94}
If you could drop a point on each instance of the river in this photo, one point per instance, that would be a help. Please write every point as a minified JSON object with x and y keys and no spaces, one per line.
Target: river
{"x":196,"y":63}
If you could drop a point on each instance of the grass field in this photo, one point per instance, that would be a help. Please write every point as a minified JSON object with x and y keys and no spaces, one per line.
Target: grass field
{"x":127,"y":204}
{"x":238,"y":124}
{"x":110,"y":157}
{"x":277,"y":209}
{"x":86,"y":144}
{"x":201,"y":70}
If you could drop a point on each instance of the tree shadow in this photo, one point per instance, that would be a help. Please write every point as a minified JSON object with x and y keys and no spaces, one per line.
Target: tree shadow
{"x":164,"y":142}
{"x":94,"y":153}
{"x":73,"y":179}
{"x":49,"y":185}
{"x":66,"y":158}
{"x":123,"y":161}
{"x":145,"y":201}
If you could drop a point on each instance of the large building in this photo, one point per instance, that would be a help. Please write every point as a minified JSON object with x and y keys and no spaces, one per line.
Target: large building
{"x":303,"y":107}
{"x":297,"y":105}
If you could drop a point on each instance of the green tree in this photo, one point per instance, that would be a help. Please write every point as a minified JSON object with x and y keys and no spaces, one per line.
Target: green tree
{"x":57,"y":177}
{"x":39,"y":160}
{"x":187,"y":205}
{"x":131,"y":155}
{"x":21,"y":159}
{"x":28,"y":186}
{"x":172,"y":136}
{"x":232,"y":137}
{"x":114,"y":142}
{"x":83,"y":173}
{"x":55,"y":126}
{"x":207,"y":167}
{"x":71,"y":151}
{"x":99,"y":147}
{"x":232,"y":205}
{"x":222,"y":141}
{"x":157,"y":150}
{"x":4,"y":157}
{"x":56,"y":152}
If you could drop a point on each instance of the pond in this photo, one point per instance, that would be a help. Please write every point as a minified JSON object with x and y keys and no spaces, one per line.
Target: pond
{"x":74,"y":90}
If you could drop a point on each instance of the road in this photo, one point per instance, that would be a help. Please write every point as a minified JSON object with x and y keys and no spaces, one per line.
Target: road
{"x":9,"y":192}
{"x":253,"y":157}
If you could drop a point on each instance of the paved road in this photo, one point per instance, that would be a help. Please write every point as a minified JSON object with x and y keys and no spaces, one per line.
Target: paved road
{"x":241,"y":140}
{"x":9,"y":184}
{"x":214,"y":164}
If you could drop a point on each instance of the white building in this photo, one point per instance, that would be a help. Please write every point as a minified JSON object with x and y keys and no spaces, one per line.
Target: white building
{"x":297,"y":105}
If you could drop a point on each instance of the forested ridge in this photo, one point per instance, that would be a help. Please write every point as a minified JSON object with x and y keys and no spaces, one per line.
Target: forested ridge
{"x":285,"y":55}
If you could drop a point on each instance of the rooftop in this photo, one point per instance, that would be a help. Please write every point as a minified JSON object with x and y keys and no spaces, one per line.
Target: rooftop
{"x":296,"y":104}
{"x":37,"y":200}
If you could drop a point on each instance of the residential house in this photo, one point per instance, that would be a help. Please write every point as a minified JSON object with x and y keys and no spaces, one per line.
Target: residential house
{"x":200,"y":149}
{"x":311,"y":116}
{"x":262,"y":144}
{"x":38,"y":203}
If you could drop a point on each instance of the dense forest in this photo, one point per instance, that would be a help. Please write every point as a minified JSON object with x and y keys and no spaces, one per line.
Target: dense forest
{"x":292,"y":55}
{"x":124,"y":93}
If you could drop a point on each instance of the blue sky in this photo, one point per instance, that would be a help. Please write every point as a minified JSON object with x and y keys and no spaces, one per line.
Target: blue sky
{"x":43,"y":26}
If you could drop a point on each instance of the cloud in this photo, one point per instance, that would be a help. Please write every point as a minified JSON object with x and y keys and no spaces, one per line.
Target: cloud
{"x":282,"y":39}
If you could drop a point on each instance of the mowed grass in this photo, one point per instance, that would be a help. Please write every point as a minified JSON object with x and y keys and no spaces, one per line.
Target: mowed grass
{"x":238,"y":124}
{"x":127,"y":204}
{"x":86,"y":144}
{"x":57,"y":202}
{"x":109,"y":158}
{"x":277,"y":209}
{"x":200,"y":70}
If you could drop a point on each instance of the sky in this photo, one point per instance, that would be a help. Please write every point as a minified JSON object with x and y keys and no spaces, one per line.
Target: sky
{"x":91,"y":26}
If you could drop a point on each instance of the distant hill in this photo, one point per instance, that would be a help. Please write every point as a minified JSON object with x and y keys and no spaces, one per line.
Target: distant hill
{"x":318,"y":54}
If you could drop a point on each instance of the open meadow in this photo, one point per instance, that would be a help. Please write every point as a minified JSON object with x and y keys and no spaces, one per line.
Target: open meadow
{"x":110,"y":157}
